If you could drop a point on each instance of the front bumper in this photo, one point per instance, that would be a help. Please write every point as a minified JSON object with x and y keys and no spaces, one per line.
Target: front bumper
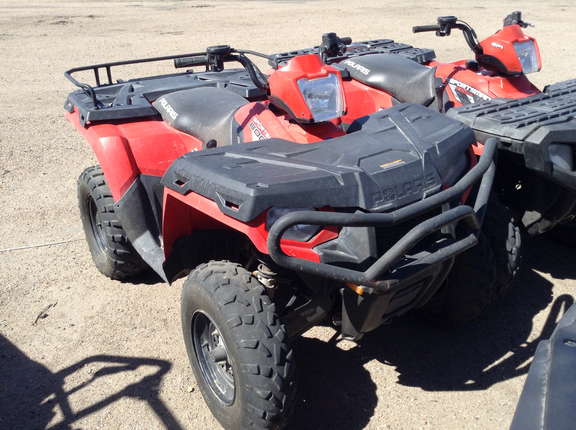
{"x":378,"y":275}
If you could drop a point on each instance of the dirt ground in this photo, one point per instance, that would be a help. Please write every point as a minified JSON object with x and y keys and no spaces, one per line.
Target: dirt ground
{"x":80,"y":351}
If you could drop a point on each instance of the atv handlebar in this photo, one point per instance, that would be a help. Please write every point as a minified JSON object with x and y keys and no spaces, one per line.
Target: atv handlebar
{"x":216,"y":56}
{"x":445,"y":26}
{"x":423,"y":28}
{"x":447,"y":23}
{"x":180,"y":63}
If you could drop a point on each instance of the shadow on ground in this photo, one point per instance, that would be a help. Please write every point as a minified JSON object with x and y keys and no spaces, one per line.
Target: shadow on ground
{"x":336,"y":391}
{"x":31,"y":393}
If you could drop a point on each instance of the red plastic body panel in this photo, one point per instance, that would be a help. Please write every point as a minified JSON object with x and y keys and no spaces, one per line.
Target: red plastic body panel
{"x":463,"y":85}
{"x":259,"y":123}
{"x":363,"y":100}
{"x":183,"y":214}
{"x":303,"y":133}
{"x":126,"y":149}
{"x":482,"y":85}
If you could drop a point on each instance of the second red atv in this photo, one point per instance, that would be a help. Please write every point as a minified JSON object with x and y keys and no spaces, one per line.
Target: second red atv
{"x":491,"y":93}
{"x":281,"y":219}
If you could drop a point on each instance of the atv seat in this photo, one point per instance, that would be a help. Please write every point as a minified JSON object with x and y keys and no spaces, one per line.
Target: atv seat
{"x":404,"y":79}
{"x":206,"y":113}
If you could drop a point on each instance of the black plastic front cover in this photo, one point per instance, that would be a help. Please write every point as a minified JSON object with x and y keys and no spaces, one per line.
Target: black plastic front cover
{"x":397,"y":157}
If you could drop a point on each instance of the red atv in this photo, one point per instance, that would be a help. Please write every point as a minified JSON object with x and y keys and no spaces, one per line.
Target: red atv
{"x":282,"y":219}
{"x":535,"y":130}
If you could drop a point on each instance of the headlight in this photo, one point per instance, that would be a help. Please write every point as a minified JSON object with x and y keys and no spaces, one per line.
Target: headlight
{"x":323,"y":97}
{"x":527,"y":55}
{"x":561,"y":155}
{"x":299,"y":232}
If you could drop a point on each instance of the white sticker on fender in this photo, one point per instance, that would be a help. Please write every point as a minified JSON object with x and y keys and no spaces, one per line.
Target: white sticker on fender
{"x":258,"y":130}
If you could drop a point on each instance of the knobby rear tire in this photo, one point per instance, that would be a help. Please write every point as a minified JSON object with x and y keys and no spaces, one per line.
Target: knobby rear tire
{"x":109,"y":246}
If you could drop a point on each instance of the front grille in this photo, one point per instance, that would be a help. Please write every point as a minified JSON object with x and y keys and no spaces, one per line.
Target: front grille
{"x":386,"y":237}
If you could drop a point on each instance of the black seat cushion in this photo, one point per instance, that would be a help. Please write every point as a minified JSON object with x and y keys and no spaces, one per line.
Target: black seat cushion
{"x":404,"y":79}
{"x":206,"y":113}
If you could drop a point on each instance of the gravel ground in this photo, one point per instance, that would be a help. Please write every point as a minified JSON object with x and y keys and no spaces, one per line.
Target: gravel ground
{"x":80,"y":351}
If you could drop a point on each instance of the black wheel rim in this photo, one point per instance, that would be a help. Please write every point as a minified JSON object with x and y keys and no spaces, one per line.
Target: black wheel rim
{"x":213,"y":358}
{"x":96,"y":224}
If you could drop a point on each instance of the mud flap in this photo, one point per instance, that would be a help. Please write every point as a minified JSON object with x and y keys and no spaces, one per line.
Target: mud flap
{"x":135,"y":213}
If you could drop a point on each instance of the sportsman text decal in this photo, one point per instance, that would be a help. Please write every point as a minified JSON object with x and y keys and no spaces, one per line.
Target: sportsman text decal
{"x":258,"y":130}
{"x":466,"y":94}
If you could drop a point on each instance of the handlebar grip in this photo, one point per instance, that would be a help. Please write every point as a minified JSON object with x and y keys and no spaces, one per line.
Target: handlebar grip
{"x":180,"y":63}
{"x":423,"y":28}
{"x":346,"y":40}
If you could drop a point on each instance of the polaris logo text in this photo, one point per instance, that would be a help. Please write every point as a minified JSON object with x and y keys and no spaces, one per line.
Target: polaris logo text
{"x":358,"y":67}
{"x":497,"y":45}
{"x":401,"y":191}
{"x":169,"y":110}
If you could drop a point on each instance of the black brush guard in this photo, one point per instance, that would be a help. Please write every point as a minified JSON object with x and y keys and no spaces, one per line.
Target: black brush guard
{"x":374,"y":276}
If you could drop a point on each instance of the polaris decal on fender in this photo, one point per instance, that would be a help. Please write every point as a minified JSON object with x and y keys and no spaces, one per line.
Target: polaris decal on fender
{"x":173,"y":114}
{"x":358,"y":67}
{"x":466,"y":94}
{"x":258,"y":130}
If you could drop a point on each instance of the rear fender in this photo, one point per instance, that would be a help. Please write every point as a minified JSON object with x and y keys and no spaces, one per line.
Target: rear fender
{"x":124,"y":150}
{"x":113,"y":153}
